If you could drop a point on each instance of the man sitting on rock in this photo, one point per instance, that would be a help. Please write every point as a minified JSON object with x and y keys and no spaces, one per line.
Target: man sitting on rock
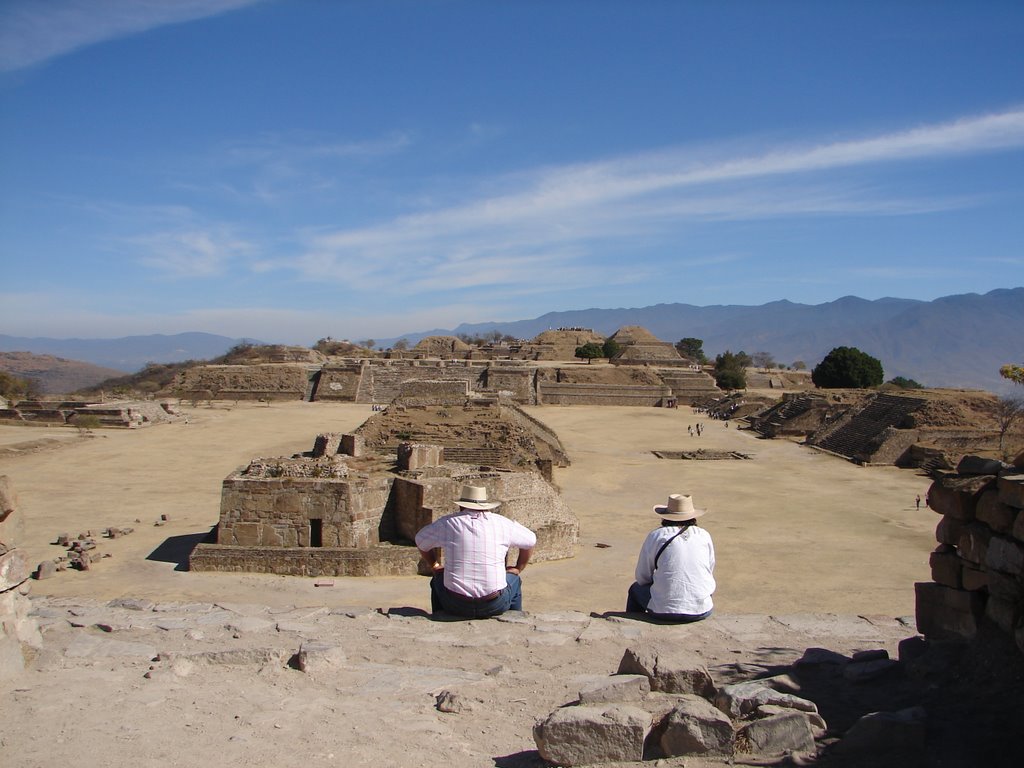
{"x":474,"y":580}
{"x":675,"y":570}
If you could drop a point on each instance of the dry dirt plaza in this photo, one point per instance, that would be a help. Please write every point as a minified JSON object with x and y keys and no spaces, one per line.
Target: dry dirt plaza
{"x":812,"y":551}
{"x":794,"y":529}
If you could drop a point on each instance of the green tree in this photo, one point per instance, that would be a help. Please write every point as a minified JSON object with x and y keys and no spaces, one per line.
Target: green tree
{"x":730,"y":370}
{"x":1014,"y":373}
{"x":589,"y":351}
{"x":904,"y":383}
{"x":799,"y":365}
{"x":847,"y":367}
{"x":610,"y":348}
{"x":692,"y":349}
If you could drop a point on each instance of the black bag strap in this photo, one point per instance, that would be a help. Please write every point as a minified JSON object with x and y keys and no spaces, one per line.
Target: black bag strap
{"x":669,"y":541}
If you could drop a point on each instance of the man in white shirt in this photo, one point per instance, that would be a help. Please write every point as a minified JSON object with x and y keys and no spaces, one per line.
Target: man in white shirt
{"x":675,"y":570}
{"x":474,"y":581}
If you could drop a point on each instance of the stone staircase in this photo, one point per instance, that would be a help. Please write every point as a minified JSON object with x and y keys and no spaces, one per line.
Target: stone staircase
{"x":771,"y":422}
{"x":855,"y":435}
{"x":689,"y":386}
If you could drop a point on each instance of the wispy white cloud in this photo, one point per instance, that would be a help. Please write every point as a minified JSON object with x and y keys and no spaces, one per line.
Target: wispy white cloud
{"x":190,"y":253}
{"x":34,"y":31}
{"x":558,"y":213}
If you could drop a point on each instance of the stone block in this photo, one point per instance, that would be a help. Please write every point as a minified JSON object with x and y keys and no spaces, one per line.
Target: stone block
{"x":946,"y":567}
{"x":585,"y":735}
{"x":972,"y":579}
{"x":669,"y":670}
{"x":948,"y":530}
{"x":973,"y":543}
{"x":45,"y":570}
{"x":1005,"y":586}
{"x":883,"y":733}
{"x":615,"y":688}
{"x":816,"y":721}
{"x":994,"y":513}
{"x":695,"y":727}
{"x":779,"y":734}
{"x":12,"y":521}
{"x":956,"y":495}
{"x":326,"y":445}
{"x":353,"y":445}
{"x":246,"y":534}
{"x":14,"y":569}
{"x":414,"y":456}
{"x":1005,"y":555}
{"x":1003,"y":613}
{"x":316,"y":657}
{"x":1011,"y":490}
{"x":978,"y":465}
{"x":740,"y":699}
{"x":947,"y":614}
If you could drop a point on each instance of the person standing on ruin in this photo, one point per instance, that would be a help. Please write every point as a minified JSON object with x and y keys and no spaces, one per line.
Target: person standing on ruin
{"x":675,"y":570}
{"x":473,"y":580}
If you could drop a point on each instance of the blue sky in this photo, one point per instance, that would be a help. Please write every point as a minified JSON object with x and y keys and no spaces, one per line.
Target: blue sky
{"x":293,"y":170}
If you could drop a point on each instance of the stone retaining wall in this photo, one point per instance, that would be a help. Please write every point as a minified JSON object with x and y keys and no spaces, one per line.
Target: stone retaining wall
{"x":978,"y":566}
{"x":552,"y":393}
{"x":379,"y":560}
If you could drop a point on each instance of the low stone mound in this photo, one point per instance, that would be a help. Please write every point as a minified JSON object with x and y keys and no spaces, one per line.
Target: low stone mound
{"x":441,"y":346}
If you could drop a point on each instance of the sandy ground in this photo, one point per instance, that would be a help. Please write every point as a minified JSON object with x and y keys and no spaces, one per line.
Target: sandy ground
{"x":812,"y":552}
{"x":794,"y":530}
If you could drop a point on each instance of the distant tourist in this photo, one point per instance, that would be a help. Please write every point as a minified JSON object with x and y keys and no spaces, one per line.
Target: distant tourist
{"x":474,"y":581}
{"x":918,"y":501}
{"x":675,"y":570}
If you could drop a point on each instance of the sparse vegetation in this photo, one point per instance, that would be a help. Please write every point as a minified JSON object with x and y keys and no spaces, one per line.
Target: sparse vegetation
{"x":904,"y":383}
{"x":764,"y":360}
{"x":610,"y":348}
{"x":847,"y":367}
{"x":1014,"y":373}
{"x":1009,"y":410}
{"x":18,"y":387}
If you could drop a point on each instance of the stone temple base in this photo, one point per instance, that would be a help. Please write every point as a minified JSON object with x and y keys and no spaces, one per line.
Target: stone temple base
{"x":380,"y":560}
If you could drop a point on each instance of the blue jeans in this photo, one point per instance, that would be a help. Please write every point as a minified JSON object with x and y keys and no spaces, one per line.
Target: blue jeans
{"x":639,"y":597}
{"x":443,"y":600}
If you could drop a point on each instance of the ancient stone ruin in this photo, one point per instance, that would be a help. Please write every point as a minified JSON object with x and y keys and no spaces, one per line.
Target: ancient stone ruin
{"x":352,"y":505}
{"x":19,"y":632}
{"x":127,"y":414}
{"x":978,"y":566}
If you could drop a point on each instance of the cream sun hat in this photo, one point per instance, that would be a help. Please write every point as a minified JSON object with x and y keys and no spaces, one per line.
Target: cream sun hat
{"x":475,"y":497}
{"x":679,"y":508}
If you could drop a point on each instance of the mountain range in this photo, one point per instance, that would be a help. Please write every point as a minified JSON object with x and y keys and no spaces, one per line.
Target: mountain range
{"x":953,"y":341}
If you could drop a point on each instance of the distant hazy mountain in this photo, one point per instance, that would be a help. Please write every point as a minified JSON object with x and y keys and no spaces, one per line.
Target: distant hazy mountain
{"x":127,"y":354}
{"x":955,"y":341}
{"x":55,"y":375}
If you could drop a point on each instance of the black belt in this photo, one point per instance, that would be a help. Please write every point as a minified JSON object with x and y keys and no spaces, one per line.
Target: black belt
{"x":484,"y":599}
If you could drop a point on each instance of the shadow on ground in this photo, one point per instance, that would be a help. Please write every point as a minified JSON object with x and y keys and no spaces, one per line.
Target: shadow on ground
{"x":177,"y":549}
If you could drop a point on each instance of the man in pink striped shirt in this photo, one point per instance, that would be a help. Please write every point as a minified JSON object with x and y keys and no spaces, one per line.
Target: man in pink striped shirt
{"x":474,"y":581}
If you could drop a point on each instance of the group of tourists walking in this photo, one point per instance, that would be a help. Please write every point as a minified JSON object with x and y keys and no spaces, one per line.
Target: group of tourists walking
{"x":674,"y":572}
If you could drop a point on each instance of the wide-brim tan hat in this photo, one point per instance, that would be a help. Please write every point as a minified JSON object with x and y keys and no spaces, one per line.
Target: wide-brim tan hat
{"x":679,"y":508}
{"x":475,"y":497}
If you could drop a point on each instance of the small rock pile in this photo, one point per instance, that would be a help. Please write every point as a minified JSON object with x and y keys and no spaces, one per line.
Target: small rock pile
{"x":663,"y":703}
{"x":81,"y":550}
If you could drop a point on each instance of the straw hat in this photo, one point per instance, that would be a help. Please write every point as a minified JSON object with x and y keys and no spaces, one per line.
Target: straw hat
{"x":679,"y":508}
{"x":475,"y":497}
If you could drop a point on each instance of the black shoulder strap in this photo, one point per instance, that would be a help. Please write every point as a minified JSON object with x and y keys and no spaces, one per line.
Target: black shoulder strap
{"x":658,"y":556}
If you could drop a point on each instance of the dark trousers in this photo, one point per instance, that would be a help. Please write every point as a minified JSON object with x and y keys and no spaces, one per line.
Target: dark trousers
{"x":443,"y":600}
{"x":639,"y":597}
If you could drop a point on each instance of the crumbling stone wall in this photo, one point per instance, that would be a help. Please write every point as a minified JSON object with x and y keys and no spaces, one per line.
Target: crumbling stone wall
{"x":978,"y":566}
{"x":243,"y":382}
{"x":279,"y":512}
{"x":555,"y":393}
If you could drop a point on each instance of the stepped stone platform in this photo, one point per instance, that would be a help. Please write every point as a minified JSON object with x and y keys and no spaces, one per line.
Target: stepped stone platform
{"x":863,"y":434}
